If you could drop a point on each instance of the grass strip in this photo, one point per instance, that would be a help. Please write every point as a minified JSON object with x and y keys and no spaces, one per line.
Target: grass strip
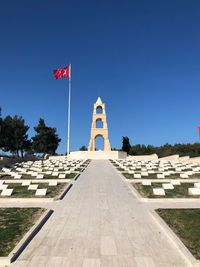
{"x":14,"y":223}
{"x":186,"y":224}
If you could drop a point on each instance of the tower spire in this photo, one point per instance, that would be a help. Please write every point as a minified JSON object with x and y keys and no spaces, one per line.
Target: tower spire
{"x":99,"y":114}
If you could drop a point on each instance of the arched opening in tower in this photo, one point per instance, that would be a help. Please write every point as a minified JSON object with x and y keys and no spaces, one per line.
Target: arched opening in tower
{"x":99,"y":110}
{"x":99,"y":143}
{"x":99,"y":123}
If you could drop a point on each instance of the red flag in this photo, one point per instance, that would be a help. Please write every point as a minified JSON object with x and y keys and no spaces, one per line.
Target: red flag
{"x":198,"y":127}
{"x":62,"y":73}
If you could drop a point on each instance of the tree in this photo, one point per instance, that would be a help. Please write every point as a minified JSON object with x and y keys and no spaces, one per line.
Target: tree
{"x":1,"y":131}
{"x":14,"y":135}
{"x":83,"y":148}
{"x":126,"y":144}
{"x":46,"y":139}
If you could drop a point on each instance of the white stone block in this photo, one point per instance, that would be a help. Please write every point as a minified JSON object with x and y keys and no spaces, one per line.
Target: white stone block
{"x":160,"y":176}
{"x":33,"y":187}
{"x":146,"y":183}
{"x":131,"y":172}
{"x":7,"y":192}
{"x":166,"y":173}
{"x":144,"y":173}
{"x":17,"y":176}
{"x":168,"y":186}
{"x":40,"y":176}
{"x":54,"y":173}
{"x":151,"y":171}
{"x":175,"y":182}
{"x":178,"y":169}
{"x":158,"y":191}
{"x":184,"y":175}
{"x":137,"y":175}
{"x":26,"y":183}
{"x":62,"y":176}
{"x":3,"y":186}
{"x":197,"y":185}
{"x":67,"y":172}
{"x":194,"y":191}
{"x":53,"y":183}
{"x":41,"y":192}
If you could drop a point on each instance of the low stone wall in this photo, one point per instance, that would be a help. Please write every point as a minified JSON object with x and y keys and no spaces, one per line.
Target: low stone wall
{"x":171,"y":157}
{"x":143,"y":157}
{"x":97,"y":155}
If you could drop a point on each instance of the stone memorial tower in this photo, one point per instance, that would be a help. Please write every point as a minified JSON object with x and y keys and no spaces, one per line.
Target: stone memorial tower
{"x":99,"y":114}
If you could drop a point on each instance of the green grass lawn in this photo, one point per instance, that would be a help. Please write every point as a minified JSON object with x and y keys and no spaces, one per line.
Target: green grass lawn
{"x":29,"y":177}
{"x":14,"y":223}
{"x":23,"y":192}
{"x":179,"y":191}
{"x":154,"y":176}
{"x":186,"y":224}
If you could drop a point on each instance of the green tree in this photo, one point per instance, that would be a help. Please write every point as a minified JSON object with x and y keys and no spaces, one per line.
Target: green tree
{"x":126,"y":144}
{"x":1,"y":130}
{"x":46,"y":139}
{"x":14,"y":135}
{"x":83,"y":148}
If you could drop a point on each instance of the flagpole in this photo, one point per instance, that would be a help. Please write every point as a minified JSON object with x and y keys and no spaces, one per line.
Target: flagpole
{"x":69,"y":103}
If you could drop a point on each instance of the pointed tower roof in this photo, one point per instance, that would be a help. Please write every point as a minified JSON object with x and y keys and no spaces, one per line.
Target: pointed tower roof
{"x":99,"y":101}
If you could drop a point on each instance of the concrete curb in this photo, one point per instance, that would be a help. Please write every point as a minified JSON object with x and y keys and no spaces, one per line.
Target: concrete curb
{"x":190,"y":259}
{"x":64,"y":192}
{"x":14,"y":254}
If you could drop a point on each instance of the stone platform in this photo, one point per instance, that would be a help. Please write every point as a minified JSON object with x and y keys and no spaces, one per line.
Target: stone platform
{"x":93,"y":155}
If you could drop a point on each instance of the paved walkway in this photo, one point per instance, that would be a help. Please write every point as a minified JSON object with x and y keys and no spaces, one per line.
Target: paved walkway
{"x":100,"y":223}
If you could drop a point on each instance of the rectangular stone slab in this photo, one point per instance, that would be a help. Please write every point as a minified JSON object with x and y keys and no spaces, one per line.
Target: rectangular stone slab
{"x":7,"y":192}
{"x":168,"y":186}
{"x":53,"y":183}
{"x":41,"y":192}
{"x":194,"y":191}
{"x":33,"y":187}
{"x":3,"y":186}
{"x":40,"y":176}
{"x":146,"y":183}
{"x":137,"y":175}
{"x":184,"y":175}
{"x":160,"y":176}
{"x":61,"y":176}
{"x":18,"y":176}
{"x":26,"y":183}
{"x":197,"y":185}
{"x":175,"y":182}
{"x":158,"y":191}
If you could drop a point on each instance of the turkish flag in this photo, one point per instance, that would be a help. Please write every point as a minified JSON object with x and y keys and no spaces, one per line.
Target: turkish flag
{"x":198,"y":127}
{"x":62,"y":73}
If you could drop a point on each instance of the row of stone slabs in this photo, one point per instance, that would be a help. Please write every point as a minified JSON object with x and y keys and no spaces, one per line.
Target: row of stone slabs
{"x":38,"y":192}
{"x":50,"y":165}
{"x":161,"y":175}
{"x":160,"y":165}
{"x":165,"y":172}
{"x":36,"y":171}
{"x":39,"y":176}
{"x":192,"y":191}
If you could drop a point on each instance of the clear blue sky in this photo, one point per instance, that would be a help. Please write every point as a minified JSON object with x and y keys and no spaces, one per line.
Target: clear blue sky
{"x":142,"y":57}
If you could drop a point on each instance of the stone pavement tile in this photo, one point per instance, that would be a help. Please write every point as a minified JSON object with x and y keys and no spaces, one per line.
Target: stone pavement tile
{"x":56,"y":262}
{"x":109,"y":261}
{"x":144,"y":262}
{"x":108,"y":246}
{"x":89,"y":262}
